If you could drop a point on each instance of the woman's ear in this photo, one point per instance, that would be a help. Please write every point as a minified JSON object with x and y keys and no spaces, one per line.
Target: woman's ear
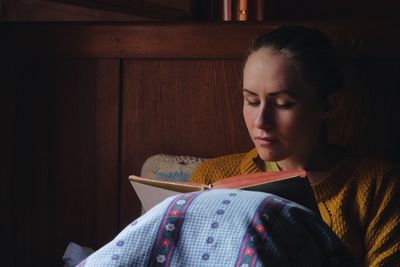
{"x":330,"y":106}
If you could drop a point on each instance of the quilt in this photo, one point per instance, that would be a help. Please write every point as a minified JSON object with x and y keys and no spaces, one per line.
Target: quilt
{"x":224,"y":228}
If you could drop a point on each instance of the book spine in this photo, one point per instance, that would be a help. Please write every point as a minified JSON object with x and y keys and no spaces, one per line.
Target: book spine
{"x":242,"y":11}
{"x":259,"y":10}
{"x":227,"y":10}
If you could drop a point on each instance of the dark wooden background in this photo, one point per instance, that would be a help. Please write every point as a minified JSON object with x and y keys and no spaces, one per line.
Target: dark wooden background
{"x":84,"y":104}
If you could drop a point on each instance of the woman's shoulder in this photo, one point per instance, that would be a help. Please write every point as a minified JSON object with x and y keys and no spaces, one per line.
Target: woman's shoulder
{"x":212,"y":170}
{"x":373,"y":171}
{"x":363,"y":176}
{"x":372,"y":165}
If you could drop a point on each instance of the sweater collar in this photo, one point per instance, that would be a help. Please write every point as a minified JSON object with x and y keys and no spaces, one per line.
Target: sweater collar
{"x":332,"y":184}
{"x":251,"y":162}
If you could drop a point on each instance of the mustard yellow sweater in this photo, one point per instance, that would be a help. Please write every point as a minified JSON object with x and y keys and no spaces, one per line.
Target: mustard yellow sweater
{"x":360,"y":201}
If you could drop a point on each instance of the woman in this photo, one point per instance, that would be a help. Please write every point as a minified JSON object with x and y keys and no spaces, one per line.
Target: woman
{"x":290,"y":78}
{"x":290,"y":84}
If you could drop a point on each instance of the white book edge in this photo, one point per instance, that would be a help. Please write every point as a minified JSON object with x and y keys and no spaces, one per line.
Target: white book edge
{"x":150,"y":195}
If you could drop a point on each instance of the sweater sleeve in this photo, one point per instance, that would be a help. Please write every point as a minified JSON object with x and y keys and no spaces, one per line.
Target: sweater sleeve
{"x":382,"y":238}
{"x":212,"y":170}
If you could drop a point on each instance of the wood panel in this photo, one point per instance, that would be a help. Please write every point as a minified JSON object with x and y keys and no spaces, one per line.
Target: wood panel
{"x":25,"y":185}
{"x":72,"y":144}
{"x":73,"y":185}
{"x":61,"y":183}
{"x":85,"y":186}
{"x":146,"y":9}
{"x":39,"y":10}
{"x":202,"y":41}
{"x":107,"y":151}
{"x":181,"y":107}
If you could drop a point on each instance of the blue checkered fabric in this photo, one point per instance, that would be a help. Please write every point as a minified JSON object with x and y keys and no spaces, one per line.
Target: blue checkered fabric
{"x":224,"y":228}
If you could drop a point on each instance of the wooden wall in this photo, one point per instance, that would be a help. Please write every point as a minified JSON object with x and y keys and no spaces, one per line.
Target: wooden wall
{"x":72,"y":10}
{"x":61,"y":141}
{"x":86,"y":104}
{"x":195,"y":10}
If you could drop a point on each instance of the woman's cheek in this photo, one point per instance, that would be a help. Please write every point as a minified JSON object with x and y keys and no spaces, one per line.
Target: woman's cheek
{"x":249,"y":118}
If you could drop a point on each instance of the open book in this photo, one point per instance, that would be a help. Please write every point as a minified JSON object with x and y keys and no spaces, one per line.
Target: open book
{"x":292,"y":185}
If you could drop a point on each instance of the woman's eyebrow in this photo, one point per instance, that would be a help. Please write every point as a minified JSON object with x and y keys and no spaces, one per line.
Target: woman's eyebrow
{"x":248,"y":91}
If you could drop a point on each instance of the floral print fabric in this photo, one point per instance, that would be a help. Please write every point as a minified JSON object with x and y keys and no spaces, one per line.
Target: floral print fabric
{"x":224,"y":228}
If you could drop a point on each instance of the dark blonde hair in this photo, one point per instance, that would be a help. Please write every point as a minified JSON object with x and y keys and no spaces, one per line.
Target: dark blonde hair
{"x":312,"y":51}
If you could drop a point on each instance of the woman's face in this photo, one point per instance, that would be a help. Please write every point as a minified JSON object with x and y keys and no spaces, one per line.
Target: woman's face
{"x":280,"y":110}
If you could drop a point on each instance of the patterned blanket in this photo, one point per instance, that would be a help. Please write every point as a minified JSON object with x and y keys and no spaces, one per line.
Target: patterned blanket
{"x":224,"y":228}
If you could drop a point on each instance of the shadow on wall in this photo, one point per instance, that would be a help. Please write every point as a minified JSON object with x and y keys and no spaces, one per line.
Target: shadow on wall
{"x":367,"y":120}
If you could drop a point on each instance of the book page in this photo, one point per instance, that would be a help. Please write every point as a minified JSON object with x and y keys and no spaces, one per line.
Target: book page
{"x":153,"y":191}
{"x":150,"y":195}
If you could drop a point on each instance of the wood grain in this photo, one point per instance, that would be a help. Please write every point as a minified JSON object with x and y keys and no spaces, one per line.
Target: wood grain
{"x":146,"y":9}
{"x":201,"y":41}
{"x":88,"y":103}
{"x":180,"y":107}
{"x":85,"y":182}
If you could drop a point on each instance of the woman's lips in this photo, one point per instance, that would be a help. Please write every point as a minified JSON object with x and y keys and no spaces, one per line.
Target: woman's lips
{"x":265,"y":140}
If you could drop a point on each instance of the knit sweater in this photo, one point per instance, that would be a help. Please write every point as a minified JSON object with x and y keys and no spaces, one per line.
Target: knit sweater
{"x":359,"y":201}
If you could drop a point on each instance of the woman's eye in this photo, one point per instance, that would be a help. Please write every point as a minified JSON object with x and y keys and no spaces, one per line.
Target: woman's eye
{"x":282,"y":103}
{"x":252,"y":102}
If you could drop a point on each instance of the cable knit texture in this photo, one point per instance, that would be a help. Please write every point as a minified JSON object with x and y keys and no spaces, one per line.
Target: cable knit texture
{"x":359,"y":201}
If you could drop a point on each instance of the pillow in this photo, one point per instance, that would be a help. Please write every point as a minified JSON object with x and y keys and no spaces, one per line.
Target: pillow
{"x":170,"y":167}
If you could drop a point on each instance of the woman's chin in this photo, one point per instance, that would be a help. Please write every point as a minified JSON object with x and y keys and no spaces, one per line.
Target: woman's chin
{"x":268,"y":155}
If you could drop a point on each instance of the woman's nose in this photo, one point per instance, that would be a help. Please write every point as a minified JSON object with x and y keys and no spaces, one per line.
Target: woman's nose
{"x":264,"y":117}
